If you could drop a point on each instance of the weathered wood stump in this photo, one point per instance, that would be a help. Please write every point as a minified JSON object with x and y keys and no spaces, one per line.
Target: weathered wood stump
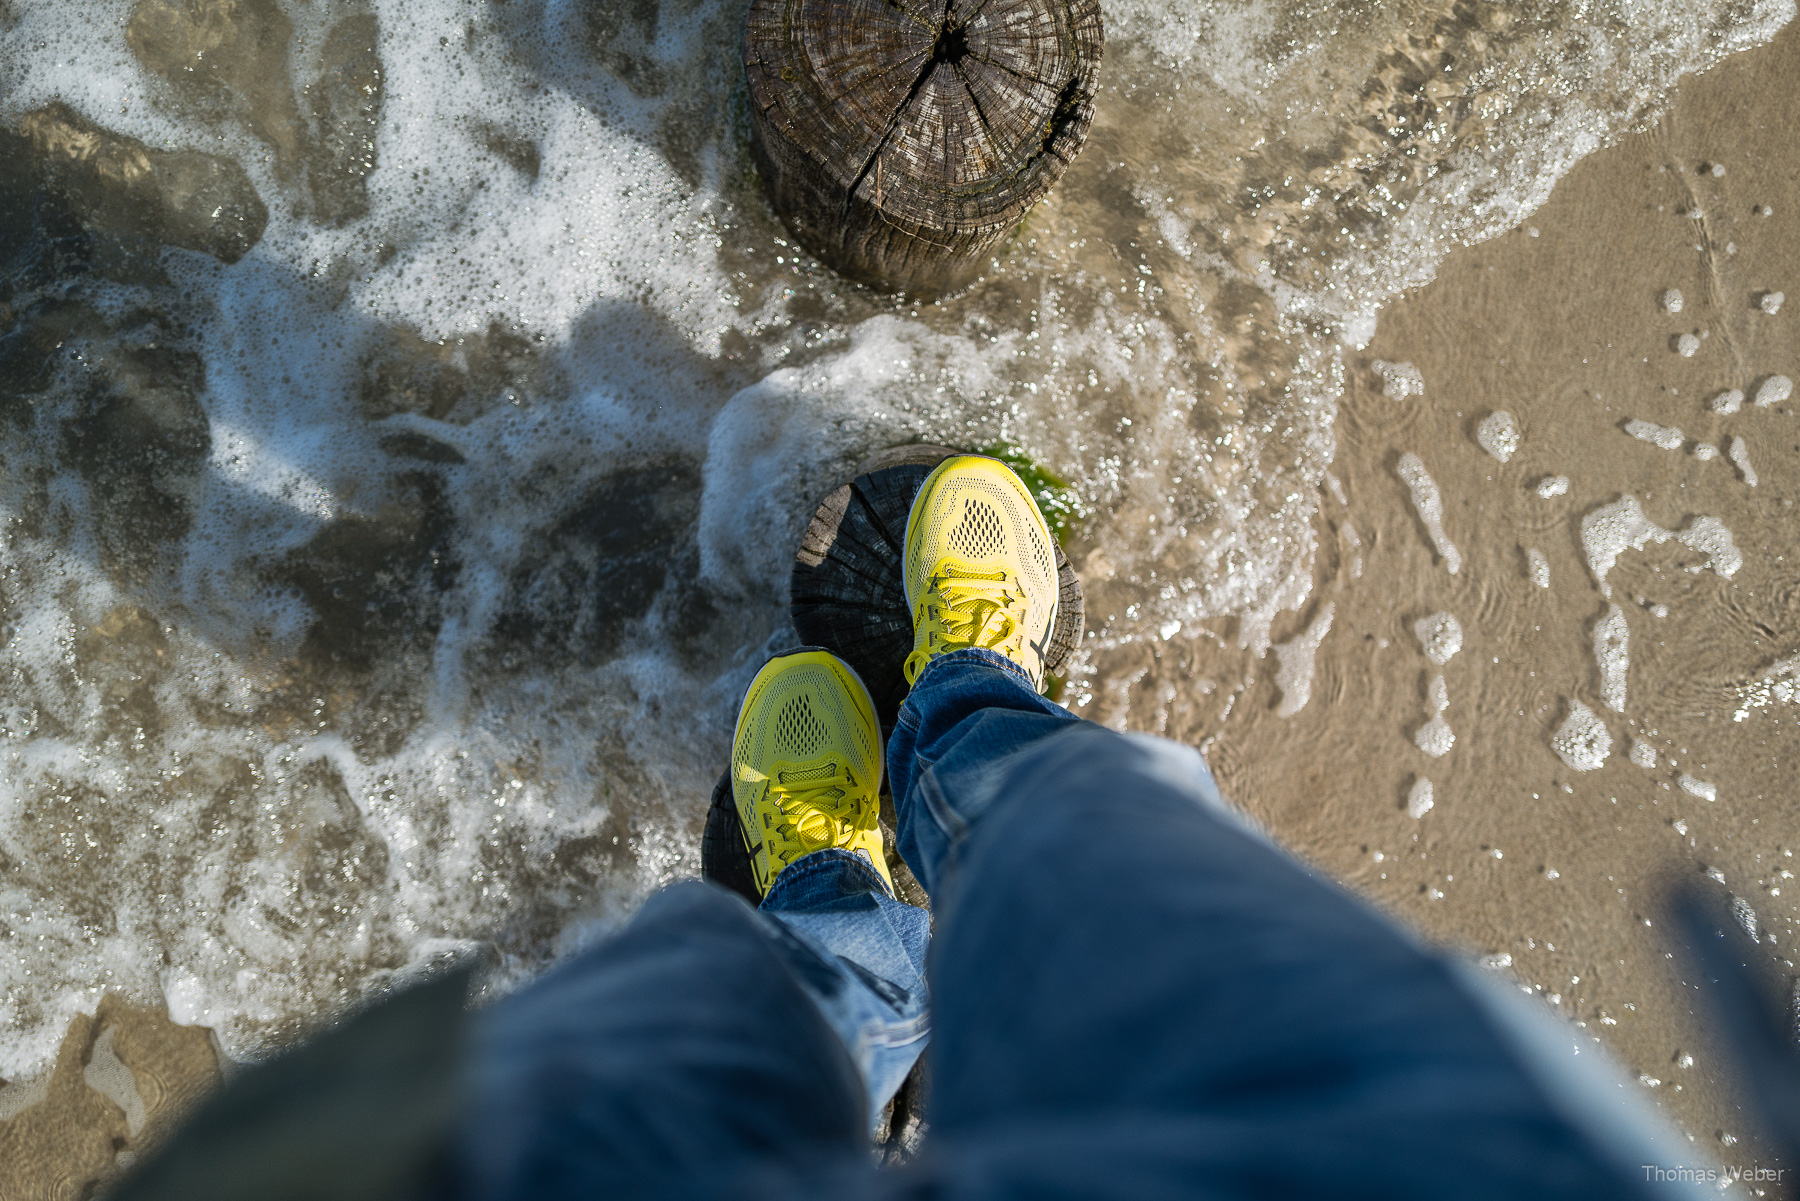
{"x":724,"y":857}
{"x":901,"y":139}
{"x":847,"y":594}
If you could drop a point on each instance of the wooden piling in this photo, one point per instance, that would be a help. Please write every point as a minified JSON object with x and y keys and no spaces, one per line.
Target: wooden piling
{"x":901,"y":140}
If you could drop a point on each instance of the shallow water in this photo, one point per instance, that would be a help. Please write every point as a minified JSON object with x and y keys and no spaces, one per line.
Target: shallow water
{"x":387,"y":591}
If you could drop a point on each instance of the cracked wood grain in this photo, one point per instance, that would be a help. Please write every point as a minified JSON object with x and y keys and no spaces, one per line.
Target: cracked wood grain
{"x":901,"y":140}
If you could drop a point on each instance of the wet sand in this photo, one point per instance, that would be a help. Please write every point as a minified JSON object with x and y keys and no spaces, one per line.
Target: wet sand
{"x":1561,"y":323}
{"x":1563,"y":328}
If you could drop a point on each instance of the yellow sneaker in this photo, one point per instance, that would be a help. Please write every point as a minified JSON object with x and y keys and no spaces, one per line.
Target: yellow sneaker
{"x":806,"y":764}
{"x":980,"y":567}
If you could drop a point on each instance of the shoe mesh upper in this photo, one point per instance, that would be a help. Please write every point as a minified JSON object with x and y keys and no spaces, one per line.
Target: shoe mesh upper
{"x":808,"y":706}
{"x":979,"y":533}
{"x":797,"y":731}
{"x":978,"y":522}
{"x":806,"y":764}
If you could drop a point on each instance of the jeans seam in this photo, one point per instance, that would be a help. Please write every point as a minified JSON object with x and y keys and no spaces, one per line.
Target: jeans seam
{"x":948,"y":820}
{"x":896,"y":1034}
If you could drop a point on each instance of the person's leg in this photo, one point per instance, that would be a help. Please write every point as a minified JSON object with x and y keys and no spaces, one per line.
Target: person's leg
{"x":709,"y":1041}
{"x":806,"y":763}
{"x":659,"y":1062}
{"x":967,"y":716}
{"x":1136,"y":994}
{"x":842,"y":913}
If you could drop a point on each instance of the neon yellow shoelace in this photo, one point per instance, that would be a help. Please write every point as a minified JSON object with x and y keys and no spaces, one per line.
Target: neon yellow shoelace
{"x":964,"y":611}
{"x":821,"y":811}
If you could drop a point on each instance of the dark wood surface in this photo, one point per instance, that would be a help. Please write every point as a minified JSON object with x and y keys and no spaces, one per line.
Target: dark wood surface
{"x":900,"y":140}
{"x":724,"y":857}
{"x":847,"y":594}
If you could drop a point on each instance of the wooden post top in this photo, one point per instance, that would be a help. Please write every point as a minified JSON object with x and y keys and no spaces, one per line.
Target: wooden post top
{"x":948,"y":118}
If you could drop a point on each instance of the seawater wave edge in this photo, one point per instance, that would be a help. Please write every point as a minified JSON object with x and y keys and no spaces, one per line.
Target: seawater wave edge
{"x":386,"y":594}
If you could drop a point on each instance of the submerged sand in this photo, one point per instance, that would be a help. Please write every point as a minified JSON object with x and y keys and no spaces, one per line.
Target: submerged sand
{"x":1562,"y":874}
{"x":1556,"y":874}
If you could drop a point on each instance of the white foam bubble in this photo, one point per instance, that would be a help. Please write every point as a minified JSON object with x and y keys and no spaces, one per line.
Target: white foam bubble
{"x":1552,"y":486}
{"x":1440,"y":636}
{"x":1687,"y":346}
{"x":1780,"y":684}
{"x":1671,"y":300}
{"x":1582,"y":741}
{"x":1429,"y":503}
{"x":1420,"y":798}
{"x":1537,"y":566}
{"x":1728,"y":401}
{"x":1770,"y":302}
{"x":108,"y":1075}
{"x":1740,"y":458}
{"x":1642,"y":754}
{"x":1610,"y":530}
{"x":1666,"y":437}
{"x":1746,"y":917}
{"x":1498,"y":434}
{"x":1354,"y":541}
{"x":1612,"y":654}
{"x":1435,"y":737}
{"x":1706,"y":452}
{"x":1709,"y":536}
{"x":1773,"y":391}
{"x":1294,"y":673}
{"x":1698,"y":787}
{"x":1399,"y":380}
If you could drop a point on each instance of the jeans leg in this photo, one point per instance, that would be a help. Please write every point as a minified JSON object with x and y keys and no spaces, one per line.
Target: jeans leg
{"x":870,"y":954}
{"x":967,"y":715}
{"x":1137,"y":995}
{"x":684,"y":1050}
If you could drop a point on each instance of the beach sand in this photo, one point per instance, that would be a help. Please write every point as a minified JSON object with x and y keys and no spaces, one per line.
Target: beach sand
{"x":1561,"y":323}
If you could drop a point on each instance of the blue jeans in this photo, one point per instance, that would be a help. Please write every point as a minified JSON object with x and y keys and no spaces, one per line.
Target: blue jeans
{"x":1133,"y":994}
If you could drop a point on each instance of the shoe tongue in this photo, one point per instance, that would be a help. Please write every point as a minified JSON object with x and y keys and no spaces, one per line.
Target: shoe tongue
{"x":954,"y":572}
{"x":823,"y":771}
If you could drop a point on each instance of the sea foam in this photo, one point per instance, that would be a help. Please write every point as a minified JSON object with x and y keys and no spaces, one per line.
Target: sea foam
{"x":1295,"y":658}
{"x":1498,"y":434}
{"x":1582,"y":741}
{"x":1612,"y":529}
{"x":1612,"y":654}
{"x":1399,"y":380}
{"x":1773,"y":391}
{"x":1429,"y":503}
{"x":1665,"y":437}
{"x":1440,"y":636}
{"x":1739,"y":454}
